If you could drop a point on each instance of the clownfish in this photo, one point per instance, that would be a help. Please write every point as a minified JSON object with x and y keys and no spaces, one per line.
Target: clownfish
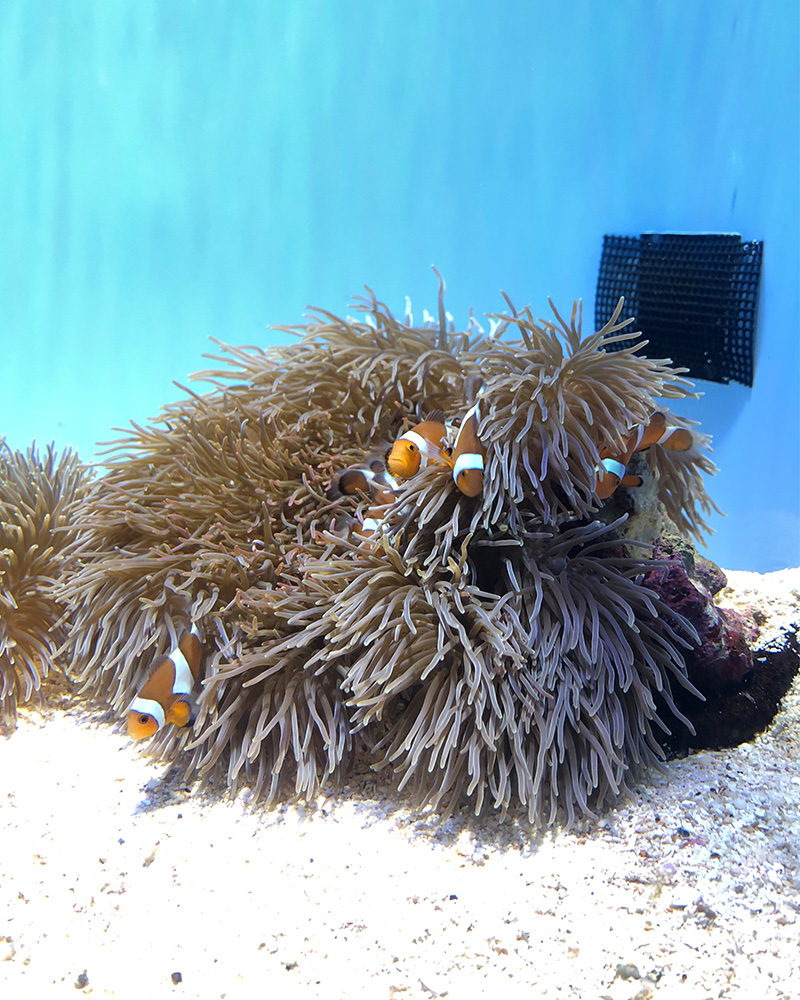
{"x":413,"y":450}
{"x":468,"y":453}
{"x":164,"y":696}
{"x":612,"y":468}
{"x":372,"y":481}
{"x":369,"y":525}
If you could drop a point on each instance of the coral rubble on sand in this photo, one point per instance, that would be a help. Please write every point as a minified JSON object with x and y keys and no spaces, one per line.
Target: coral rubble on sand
{"x":504,"y":648}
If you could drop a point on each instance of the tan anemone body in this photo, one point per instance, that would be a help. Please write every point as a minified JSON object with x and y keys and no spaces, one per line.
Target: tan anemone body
{"x":488,"y":644}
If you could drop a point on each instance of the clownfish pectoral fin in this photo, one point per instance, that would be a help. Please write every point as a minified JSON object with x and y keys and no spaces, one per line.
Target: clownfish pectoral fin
{"x":631,"y":481}
{"x":192,"y":650}
{"x":179,"y":713}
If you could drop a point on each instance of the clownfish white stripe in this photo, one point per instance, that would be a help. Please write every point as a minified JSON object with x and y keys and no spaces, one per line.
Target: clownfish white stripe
{"x":634,"y":446}
{"x":390,"y":481}
{"x":615,"y":468}
{"x":467,"y":461}
{"x":427,"y":449}
{"x":147,"y":706}
{"x":184,"y":681}
{"x":472,"y":412}
{"x":667,"y":434}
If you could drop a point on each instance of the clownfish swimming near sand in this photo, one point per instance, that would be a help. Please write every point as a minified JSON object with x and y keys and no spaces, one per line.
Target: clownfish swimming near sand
{"x":415,"y":449}
{"x":164,"y":696}
{"x":612,"y":473}
{"x":467,"y":456}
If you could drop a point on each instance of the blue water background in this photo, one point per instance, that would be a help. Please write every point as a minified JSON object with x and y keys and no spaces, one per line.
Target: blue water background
{"x":172,"y":171}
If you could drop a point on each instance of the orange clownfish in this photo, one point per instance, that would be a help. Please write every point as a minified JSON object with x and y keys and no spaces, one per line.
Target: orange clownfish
{"x":413,"y":450}
{"x":372,"y":481}
{"x":164,"y":696}
{"x":370,"y":523}
{"x":612,"y":469}
{"x":468,"y":454}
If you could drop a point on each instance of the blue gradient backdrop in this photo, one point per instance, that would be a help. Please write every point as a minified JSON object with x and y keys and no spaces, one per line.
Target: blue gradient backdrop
{"x":172,"y":171}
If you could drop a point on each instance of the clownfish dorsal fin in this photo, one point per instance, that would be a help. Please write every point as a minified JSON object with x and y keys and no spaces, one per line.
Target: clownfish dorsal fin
{"x":174,"y":673}
{"x":435,"y":417}
{"x":159,"y":680}
{"x":192,"y":650}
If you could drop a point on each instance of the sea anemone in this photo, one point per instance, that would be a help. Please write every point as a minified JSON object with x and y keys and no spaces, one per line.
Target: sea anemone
{"x":540,"y":689}
{"x":500,"y":648}
{"x":40,"y":502}
{"x":554,"y":399}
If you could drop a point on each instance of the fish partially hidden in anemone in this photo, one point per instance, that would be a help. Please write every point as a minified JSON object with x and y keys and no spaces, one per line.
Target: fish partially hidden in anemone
{"x":372,"y":481}
{"x":422,"y":444}
{"x":369,"y":525}
{"x":467,"y":456}
{"x":612,"y":471}
{"x":164,"y":696}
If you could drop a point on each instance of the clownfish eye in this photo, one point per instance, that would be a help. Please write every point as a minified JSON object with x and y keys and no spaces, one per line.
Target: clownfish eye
{"x":144,"y":719}
{"x":412,"y":447}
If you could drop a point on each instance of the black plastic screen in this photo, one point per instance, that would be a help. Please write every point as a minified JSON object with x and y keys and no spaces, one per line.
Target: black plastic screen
{"x":693,"y":297}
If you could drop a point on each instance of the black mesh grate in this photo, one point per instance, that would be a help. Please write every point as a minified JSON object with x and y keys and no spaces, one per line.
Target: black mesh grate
{"x":693,"y":297}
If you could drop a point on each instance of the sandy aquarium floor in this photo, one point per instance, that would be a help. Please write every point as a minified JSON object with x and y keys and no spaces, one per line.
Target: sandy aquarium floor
{"x":116,"y":880}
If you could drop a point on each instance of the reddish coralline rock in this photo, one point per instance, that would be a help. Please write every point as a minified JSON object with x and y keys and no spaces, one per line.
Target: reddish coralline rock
{"x":723,"y":656}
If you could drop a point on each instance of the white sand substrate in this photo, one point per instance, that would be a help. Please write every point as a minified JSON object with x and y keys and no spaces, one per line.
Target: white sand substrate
{"x":115,"y":878}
